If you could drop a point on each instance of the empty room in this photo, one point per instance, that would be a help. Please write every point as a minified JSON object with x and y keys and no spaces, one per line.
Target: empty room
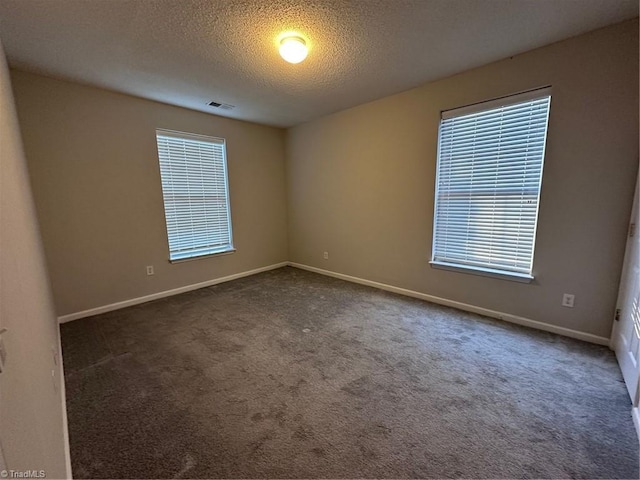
{"x":319,"y":239}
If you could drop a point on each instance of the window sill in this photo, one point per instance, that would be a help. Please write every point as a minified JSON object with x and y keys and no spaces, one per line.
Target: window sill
{"x":206,"y":255}
{"x":484,"y":272}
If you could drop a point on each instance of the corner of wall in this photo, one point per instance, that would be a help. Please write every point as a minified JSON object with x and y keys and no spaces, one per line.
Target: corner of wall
{"x":32,"y":407}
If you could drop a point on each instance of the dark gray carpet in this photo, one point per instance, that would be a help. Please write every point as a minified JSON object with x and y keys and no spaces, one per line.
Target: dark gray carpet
{"x":289,"y":374}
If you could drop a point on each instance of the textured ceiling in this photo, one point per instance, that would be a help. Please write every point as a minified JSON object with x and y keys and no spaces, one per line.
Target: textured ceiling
{"x":189,"y":52}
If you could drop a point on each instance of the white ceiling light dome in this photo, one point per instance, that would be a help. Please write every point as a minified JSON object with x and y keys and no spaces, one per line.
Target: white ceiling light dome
{"x":293,"y":49}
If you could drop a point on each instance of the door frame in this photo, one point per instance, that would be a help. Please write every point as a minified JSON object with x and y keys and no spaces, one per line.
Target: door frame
{"x":630,"y":244}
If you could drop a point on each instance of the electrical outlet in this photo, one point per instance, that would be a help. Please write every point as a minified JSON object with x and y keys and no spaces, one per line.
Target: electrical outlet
{"x":568,"y":299}
{"x":150,"y":270}
{"x":326,"y":255}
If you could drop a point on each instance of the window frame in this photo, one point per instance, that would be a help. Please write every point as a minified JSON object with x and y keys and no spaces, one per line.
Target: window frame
{"x":485,"y":106}
{"x":227,"y":248}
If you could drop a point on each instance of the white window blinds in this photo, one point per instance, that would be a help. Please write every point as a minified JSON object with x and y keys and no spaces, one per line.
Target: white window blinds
{"x":490,"y":159}
{"x":195,"y":192}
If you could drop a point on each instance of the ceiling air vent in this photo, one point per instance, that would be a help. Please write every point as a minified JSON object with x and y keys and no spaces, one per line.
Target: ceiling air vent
{"x":221,"y":106}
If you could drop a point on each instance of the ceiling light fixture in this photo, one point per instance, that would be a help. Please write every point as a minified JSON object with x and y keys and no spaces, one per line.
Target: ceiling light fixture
{"x":293,"y":49}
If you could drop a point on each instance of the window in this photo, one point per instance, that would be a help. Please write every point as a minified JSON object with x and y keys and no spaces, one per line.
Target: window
{"x":489,"y":172}
{"x":195,"y":191}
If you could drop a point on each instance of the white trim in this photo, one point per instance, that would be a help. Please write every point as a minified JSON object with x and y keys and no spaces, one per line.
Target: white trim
{"x":190,"y":136}
{"x":483,"y":272}
{"x":65,"y":422}
{"x":635,"y":413}
{"x":3,"y":462}
{"x":167,"y":293}
{"x":587,"y":337}
{"x":231,"y":251}
{"x":505,"y":101}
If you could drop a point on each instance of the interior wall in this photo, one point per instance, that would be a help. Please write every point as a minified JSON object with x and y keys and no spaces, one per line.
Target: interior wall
{"x":32,"y":409}
{"x":94,"y":166}
{"x":361,"y":182}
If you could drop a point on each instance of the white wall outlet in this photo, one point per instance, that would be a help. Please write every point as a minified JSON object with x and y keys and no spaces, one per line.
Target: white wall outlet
{"x":568,"y":299}
{"x":326,"y":255}
{"x":150,"y":270}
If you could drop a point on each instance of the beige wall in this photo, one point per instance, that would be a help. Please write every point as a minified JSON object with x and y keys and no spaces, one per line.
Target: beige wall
{"x":32,"y":415}
{"x":359,"y":185}
{"x":361,"y":182}
{"x":93,"y":162}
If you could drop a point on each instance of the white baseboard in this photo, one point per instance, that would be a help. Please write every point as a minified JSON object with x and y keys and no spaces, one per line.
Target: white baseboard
{"x":635,"y":413}
{"x":63,"y":399}
{"x":167,"y":293}
{"x":588,"y":337}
